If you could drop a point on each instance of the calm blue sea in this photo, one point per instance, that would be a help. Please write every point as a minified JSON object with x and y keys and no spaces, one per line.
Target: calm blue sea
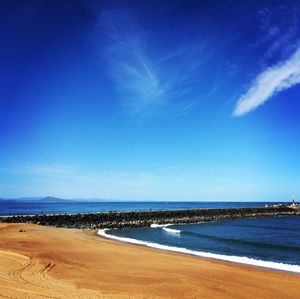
{"x":25,"y":208}
{"x":271,"y":239}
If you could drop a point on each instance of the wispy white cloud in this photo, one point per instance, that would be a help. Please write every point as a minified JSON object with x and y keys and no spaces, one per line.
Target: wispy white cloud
{"x":268,"y":83}
{"x":151,"y":80}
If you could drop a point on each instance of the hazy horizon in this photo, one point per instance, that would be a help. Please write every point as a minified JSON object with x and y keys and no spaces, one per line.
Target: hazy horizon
{"x":28,"y":198}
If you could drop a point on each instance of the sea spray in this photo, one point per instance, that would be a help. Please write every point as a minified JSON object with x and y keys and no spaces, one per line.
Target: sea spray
{"x":165,"y":228}
{"x":171,"y":230}
{"x":155,"y":225}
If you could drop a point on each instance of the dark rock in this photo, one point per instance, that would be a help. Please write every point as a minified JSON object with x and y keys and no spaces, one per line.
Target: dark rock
{"x":146,"y":218}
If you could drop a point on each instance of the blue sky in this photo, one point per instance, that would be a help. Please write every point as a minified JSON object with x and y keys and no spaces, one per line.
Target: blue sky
{"x":156,"y":100}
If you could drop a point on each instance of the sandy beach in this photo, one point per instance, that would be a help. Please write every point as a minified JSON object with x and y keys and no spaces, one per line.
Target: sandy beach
{"x":46,"y":262}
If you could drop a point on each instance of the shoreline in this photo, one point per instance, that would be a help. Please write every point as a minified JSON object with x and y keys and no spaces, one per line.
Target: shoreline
{"x":39,"y":261}
{"x":295,"y":269}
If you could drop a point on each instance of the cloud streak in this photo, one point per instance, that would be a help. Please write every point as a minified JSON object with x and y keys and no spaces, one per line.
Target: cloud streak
{"x":151,"y":79}
{"x":269,"y":83}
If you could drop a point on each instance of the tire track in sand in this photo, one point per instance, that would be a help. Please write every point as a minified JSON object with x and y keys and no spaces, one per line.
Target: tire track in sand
{"x":46,"y":269}
{"x":18,"y":274}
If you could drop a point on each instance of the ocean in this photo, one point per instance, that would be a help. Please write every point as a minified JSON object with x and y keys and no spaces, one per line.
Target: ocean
{"x":272,"y":242}
{"x":31,"y":208}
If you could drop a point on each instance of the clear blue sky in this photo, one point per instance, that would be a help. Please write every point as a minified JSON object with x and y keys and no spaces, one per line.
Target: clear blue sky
{"x":171,"y":100}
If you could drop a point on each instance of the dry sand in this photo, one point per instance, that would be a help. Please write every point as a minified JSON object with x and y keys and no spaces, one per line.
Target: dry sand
{"x":46,"y":262}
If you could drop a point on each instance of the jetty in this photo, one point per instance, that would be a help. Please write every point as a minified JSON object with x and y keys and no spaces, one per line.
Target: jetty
{"x":146,"y":218}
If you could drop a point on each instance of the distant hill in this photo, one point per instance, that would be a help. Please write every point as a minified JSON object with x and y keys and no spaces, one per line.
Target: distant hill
{"x":52,"y":199}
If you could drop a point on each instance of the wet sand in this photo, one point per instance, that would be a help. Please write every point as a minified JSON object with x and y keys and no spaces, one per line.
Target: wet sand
{"x":47,"y":262}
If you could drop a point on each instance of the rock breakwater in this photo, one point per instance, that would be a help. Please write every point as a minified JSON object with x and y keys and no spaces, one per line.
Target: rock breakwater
{"x":146,"y":218}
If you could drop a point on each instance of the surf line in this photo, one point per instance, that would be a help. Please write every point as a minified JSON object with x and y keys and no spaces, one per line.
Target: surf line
{"x":165,"y":228}
{"x":227,"y":258}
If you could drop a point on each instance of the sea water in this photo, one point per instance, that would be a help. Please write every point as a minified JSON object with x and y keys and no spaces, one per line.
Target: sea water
{"x":272,"y":242}
{"x":72,"y":207}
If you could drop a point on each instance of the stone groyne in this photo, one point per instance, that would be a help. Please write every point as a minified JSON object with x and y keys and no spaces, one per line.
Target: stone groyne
{"x":146,"y":218}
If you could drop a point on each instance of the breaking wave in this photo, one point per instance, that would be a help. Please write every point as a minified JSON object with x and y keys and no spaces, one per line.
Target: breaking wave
{"x":171,"y":230}
{"x":154,"y":225}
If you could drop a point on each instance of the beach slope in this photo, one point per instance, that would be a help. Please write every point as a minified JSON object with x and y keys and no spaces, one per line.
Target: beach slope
{"x":47,"y":262}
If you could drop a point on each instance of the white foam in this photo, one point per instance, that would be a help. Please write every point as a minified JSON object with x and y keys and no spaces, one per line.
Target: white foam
{"x":171,"y":230}
{"x":155,"y":225}
{"x":165,"y":228}
{"x":234,"y":259}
